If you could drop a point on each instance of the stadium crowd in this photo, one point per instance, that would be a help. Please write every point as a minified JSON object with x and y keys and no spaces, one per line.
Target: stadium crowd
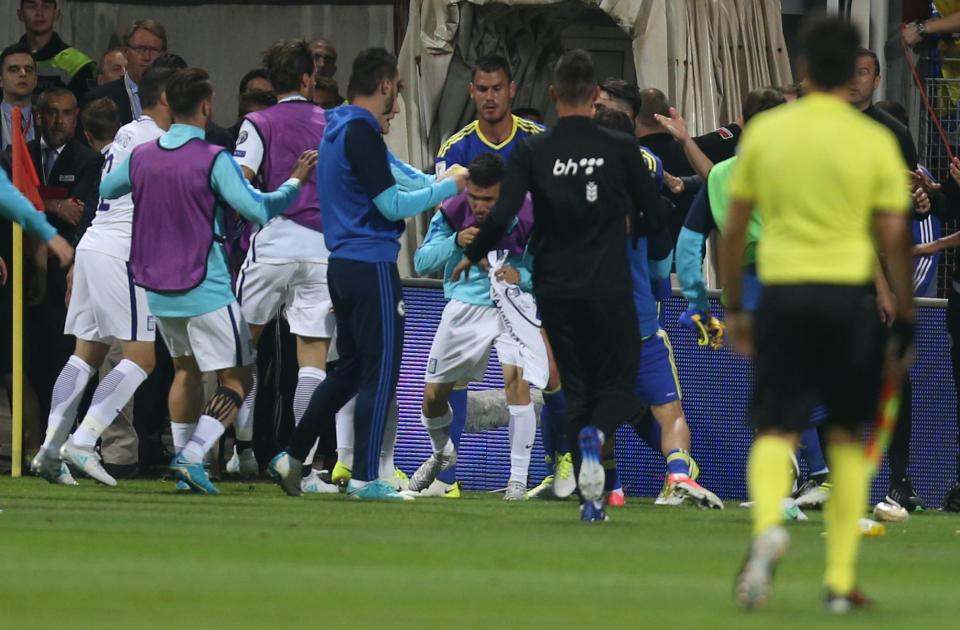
{"x":100,"y":135}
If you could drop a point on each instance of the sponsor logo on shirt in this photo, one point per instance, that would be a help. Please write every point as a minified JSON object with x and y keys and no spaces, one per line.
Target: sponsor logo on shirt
{"x":242,"y":137}
{"x":572,"y":167}
{"x":725,"y":133}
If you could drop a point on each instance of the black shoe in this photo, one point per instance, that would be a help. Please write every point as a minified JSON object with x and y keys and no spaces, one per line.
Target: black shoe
{"x":901,"y":493}
{"x":842,"y":604}
{"x":951,"y":502}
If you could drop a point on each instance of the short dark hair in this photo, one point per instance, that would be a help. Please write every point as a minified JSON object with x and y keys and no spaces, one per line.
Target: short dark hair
{"x":53,"y":2}
{"x":252,"y":100}
{"x":528,"y":113}
{"x":791,"y":89}
{"x":16,"y":49}
{"x":186,"y":90}
{"x":611,"y":119}
{"x":152,"y":85}
{"x":760,"y":101}
{"x":101,"y":119}
{"x":53,"y":92}
{"x":487,"y":169}
{"x":653,"y":102}
{"x":866,"y":52}
{"x":327,"y":84}
{"x":286,"y":63}
{"x":371,"y":66}
{"x":574,"y":79}
{"x":492,"y":63}
{"x":896,"y":110}
{"x":829,"y":47}
{"x":624,"y":91}
{"x":170,"y":60}
{"x":256,"y":73}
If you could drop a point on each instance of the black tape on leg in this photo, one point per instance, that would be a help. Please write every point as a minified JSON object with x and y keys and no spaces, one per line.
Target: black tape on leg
{"x":222,"y":403}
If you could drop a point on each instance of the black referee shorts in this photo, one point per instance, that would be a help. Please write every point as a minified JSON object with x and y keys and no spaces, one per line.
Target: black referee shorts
{"x":596,"y":344}
{"x":817,"y":344}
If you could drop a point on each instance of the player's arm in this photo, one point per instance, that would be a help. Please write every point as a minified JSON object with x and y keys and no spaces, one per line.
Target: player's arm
{"x":230,"y":185}
{"x":677,"y":126}
{"x":690,"y":251}
{"x":407,"y":176}
{"x":513,"y":193}
{"x":15,"y":207}
{"x":249,"y":152}
{"x":116,"y":183}
{"x":439,"y":247}
{"x":367,"y":154}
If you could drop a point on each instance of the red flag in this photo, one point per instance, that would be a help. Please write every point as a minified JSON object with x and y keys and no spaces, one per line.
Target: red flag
{"x":24,"y":174}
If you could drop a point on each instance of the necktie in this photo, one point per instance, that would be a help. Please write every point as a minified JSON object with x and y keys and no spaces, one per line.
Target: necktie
{"x":49,"y":159}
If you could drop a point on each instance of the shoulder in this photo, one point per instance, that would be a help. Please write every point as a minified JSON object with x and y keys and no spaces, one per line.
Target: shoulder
{"x":72,"y":60}
{"x":468,"y":130}
{"x":528,"y":127}
{"x":108,"y":90}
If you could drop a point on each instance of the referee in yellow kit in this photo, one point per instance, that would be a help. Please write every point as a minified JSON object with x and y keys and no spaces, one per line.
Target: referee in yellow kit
{"x":831,"y":188}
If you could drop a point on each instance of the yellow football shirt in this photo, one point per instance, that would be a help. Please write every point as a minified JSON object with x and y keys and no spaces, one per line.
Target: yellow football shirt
{"x":817,"y":170}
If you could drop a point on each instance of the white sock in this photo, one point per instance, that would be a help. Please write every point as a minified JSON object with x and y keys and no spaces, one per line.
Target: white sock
{"x":439,"y":429}
{"x":67,"y":393}
{"x":308,"y":379}
{"x":112,"y":394}
{"x":181,"y":432}
{"x":243,"y":425}
{"x":387,"y":465}
{"x":308,"y":461}
{"x":523,"y":430}
{"x":207,"y":433}
{"x":345,"y":433}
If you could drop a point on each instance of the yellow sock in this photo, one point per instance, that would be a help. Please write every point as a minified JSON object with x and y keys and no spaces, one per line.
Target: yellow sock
{"x":768,"y":476}
{"x":848,"y":472}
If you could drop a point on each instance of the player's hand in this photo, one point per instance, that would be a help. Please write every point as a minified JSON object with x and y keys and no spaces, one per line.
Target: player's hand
{"x":463,"y":268}
{"x":710,"y":331}
{"x":60,"y":248}
{"x":740,"y":332}
{"x":459,"y":174}
{"x":921,"y":201}
{"x":675,"y":125}
{"x":919,"y":179}
{"x":911,"y":34}
{"x":886,"y":307}
{"x":67,"y":209}
{"x":927,"y":249}
{"x":466,"y":236}
{"x":303,"y":169}
{"x":675,"y":184}
{"x":4,"y":274}
{"x":508,"y":274}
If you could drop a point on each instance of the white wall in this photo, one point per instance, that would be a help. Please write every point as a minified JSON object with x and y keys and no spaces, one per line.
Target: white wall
{"x":226,"y":40}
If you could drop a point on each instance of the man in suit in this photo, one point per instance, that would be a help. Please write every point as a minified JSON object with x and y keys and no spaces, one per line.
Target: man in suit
{"x":144,"y":42}
{"x":69,"y":174}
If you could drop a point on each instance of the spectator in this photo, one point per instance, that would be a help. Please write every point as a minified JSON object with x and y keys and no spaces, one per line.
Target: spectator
{"x":18,"y":82}
{"x":113,"y":64}
{"x":255,"y":79}
{"x":69,"y":172}
{"x":100,"y":120}
{"x":170,"y":60}
{"x":144,"y":42}
{"x":532,"y":114}
{"x":58,"y":63}
{"x":326,"y":93}
{"x":324,"y":57}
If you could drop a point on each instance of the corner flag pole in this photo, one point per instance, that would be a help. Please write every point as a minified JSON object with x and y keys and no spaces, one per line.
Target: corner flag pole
{"x":17,"y":394}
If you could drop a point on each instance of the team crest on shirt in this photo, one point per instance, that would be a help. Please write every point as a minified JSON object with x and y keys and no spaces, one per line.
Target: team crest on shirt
{"x":591,"y":192}
{"x":432,"y":366}
{"x":242,"y":137}
{"x":401,"y":309}
{"x":151,"y":323}
{"x":725,"y":133}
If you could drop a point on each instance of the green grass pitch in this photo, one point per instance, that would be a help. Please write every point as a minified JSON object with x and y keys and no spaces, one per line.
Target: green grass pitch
{"x":140,"y":556}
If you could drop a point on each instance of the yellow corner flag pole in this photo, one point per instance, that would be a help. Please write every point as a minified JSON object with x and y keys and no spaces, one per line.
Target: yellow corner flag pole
{"x":17,"y":394}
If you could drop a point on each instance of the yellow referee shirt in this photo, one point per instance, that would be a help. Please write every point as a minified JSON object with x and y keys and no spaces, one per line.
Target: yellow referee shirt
{"x":817,"y":170}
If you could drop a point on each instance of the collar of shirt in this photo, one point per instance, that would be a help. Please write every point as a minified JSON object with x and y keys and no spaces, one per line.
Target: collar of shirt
{"x":26,"y":110}
{"x":53,"y":48}
{"x":179,"y":135}
{"x":44,"y":146}
{"x":292,"y":97}
{"x":131,"y":84}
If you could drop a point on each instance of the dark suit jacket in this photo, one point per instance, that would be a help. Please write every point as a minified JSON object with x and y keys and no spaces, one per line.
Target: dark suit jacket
{"x":116,"y":91}
{"x":76,"y":173}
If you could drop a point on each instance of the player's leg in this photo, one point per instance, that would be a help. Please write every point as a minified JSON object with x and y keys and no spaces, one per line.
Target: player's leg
{"x":786,"y":391}
{"x":184,"y":401}
{"x":343,"y":469}
{"x":901,"y":486}
{"x":851,"y":379}
{"x":554,"y":433}
{"x":459,"y":353}
{"x":388,"y":468}
{"x":523,"y":430}
{"x":219,"y":342}
{"x":457,"y":399}
{"x":244,"y":461}
{"x":67,"y":394}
